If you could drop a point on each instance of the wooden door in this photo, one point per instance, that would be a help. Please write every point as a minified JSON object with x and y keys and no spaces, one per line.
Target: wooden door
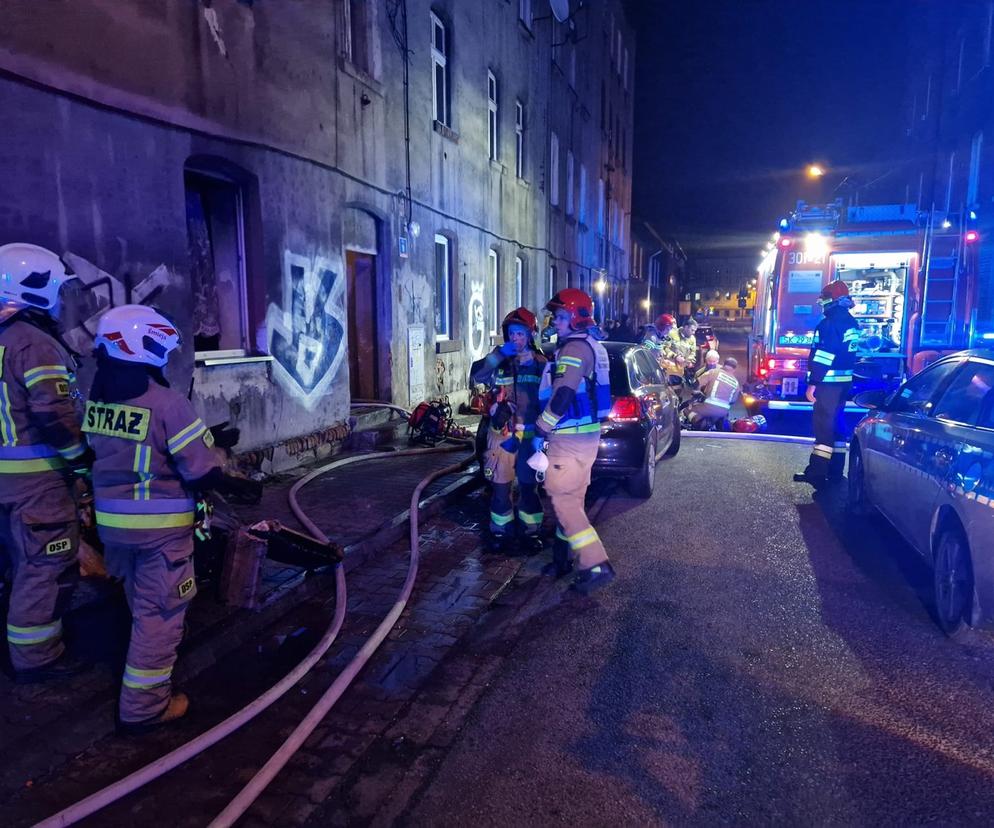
{"x":363,"y":375}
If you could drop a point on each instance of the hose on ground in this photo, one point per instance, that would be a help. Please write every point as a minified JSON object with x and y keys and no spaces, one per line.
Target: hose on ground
{"x":141,"y":777}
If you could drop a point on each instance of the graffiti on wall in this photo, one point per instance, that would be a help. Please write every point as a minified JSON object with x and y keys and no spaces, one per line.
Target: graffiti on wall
{"x":102,"y":291}
{"x":477,"y":321}
{"x":306,"y":331}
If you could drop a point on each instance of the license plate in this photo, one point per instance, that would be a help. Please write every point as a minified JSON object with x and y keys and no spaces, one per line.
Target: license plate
{"x":789,"y":387}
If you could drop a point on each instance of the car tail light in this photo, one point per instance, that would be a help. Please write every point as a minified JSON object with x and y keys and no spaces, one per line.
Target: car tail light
{"x":763,"y":371}
{"x":771,"y":363}
{"x":790,"y":365}
{"x":626,"y":410}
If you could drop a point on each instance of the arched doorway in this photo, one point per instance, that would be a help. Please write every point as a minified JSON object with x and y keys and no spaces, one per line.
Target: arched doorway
{"x":361,"y":237}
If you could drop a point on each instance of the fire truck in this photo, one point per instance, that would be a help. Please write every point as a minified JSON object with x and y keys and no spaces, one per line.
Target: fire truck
{"x":912,"y":276}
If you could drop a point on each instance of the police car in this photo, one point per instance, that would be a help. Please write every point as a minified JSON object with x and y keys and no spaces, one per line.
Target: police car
{"x":924,"y":458}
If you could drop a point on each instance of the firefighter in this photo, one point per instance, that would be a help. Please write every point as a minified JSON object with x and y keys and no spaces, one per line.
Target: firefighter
{"x":153,"y":455}
{"x":577,"y":387}
{"x":720,"y":388}
{"x":830,"y":376}
{"x":40,"y":448}
{"x":684,"y":347}
{"x":514,"y":371}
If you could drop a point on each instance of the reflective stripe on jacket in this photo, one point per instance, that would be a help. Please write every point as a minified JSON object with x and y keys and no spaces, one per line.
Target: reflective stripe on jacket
{"x":834,"y":347}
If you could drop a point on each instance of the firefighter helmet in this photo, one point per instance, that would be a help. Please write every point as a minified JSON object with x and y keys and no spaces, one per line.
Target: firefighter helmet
{"x":136,"y":333}
{"x":32,"y":276}
{"x":519,"y":316}
{"x":579,"y":305}
{"x":833,"y":292}
{"x":665,"y":320}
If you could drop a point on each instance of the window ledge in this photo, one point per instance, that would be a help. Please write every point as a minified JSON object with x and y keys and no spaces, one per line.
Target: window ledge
{"x":445,"y":131}
{"x":361,"y":75}
{"x":207,"y":361}
{"x":496,"y":166}
{"x":524,"y":182}
{"x":447,"y":346}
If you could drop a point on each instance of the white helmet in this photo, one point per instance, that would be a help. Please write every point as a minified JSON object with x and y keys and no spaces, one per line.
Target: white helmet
{"x":137,"y":333}
{"x":31,"y":277}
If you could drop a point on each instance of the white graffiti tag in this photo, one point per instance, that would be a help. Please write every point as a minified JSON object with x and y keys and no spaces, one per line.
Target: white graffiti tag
{"x":306,"y":331}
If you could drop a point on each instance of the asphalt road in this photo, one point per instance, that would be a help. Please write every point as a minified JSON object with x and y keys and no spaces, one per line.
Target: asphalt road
{"x":761,"y":659}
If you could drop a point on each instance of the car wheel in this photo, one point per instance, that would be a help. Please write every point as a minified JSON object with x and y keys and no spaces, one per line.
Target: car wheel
{"x":952,"y":579}
{"x":857,"y":502}
{"x":642,"y":483}
{"x":675,"y":442}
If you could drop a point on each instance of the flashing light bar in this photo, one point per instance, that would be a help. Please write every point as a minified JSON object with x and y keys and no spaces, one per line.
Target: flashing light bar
{"x":785,"y":242}
{"x":987,"y":336}
{"x":971,"y":236}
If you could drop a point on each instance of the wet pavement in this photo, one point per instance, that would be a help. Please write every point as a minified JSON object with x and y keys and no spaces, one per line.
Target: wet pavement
{"x":761,"y":659}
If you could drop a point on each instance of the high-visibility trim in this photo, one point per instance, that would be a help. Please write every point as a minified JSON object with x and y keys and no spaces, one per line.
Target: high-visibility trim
{"x":850,"y":335}
{"x":549,"y":418}
{"x":574,"y":362}
{"x":840,"y":447}
{"x":73,"y":451}
{"x":26,"y":452}
{"x":41,"y":464}
{"x":504,"y":381}
{"x":8,"y":431}
{"x":29,"y":636}
{"x":587,"y":428}
{"x":837,"y":376}
{"x":584,"y":538}
{"x":156,"y":521}
{"x":500,"y":520}
{"x":560,"y":534}
{"x":159,"y":506}
{"x":820,"y":450}
{"x":531,"y":518}
{"x":719,"y":403}
{"x":186,"y":436}
{"x":137,"y":679}
{"x":45,"y":372}
{"x":824,"y":357}
{"x":141,"y":467}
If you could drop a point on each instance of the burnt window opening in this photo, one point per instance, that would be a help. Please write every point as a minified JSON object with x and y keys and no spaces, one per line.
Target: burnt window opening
{"x":357,"y":34}
{"x":215,"y":232}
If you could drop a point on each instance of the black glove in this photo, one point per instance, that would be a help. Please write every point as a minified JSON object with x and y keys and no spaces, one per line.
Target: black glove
{"x":240,"y":489}
{"x":82,"y":465}
{"x":225,"y":437}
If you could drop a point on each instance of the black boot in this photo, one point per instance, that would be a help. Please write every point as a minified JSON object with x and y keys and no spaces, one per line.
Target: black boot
{"x":590,"y":580}
{"x":561,"y":565}
{"x":531,"y":545}
{"x":65,"y":666}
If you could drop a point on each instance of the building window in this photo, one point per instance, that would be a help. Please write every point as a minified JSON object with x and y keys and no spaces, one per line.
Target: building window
{"x":443,"y":288}
{"x":554,"y":169}
{"x":493,"y":290}
{"x":215,"y":230}
{"x":570,"y":204}
{"x":600,"y":206}
{"x":492,"y":115}
{"x":624,"y":69}
{"x":440,"y":71}
{"x":519,"y":281}
{"x":551,"y":288}
{"x":519,"y":139}
{"x":525,"y":12}
{"x":569,"y":279}
{"x":356,"y":32}
{"x":583,"y":195}
{"x":973,"y":185}
{"x":617,"y":63}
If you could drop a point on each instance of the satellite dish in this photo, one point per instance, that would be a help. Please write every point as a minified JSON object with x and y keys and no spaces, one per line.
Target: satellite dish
{"x":560,"y":9}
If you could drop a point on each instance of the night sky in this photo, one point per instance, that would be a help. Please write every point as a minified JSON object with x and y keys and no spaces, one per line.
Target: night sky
{"x":735,"y":97}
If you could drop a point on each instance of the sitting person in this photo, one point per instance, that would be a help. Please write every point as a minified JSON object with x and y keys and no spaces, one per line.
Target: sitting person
{"x":720,"y":388}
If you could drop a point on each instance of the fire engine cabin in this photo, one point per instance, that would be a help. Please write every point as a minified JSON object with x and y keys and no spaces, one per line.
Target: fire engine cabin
{"x":909,"y":313}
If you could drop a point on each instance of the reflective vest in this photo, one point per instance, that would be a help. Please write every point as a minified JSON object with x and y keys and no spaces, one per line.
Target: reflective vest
{"x":592,"y":399}
{"x":722,"y":388}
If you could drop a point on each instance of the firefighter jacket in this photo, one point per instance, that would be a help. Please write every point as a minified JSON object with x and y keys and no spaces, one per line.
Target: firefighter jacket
{"x":39,"y":424}
{"x":719,"y":387}
{"x":577,"y":386}
{"x":148,"y":450}
{"x":684,"y":347}
{"x":516,"y":382}
{"x":833,"y":350}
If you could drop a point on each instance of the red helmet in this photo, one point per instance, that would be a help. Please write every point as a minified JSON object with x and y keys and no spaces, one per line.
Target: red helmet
{"x":665,"y":320}
{"x":834,"y":291}
{"x":579,"y":305}
{"x":745,"y":425}
{"x":519,"y":316}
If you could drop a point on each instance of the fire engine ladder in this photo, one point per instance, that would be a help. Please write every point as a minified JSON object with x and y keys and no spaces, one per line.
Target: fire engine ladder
{"x":942,"y":274}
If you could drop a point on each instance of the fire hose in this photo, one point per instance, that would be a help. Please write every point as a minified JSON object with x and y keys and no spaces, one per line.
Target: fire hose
{"x":141,"y":777}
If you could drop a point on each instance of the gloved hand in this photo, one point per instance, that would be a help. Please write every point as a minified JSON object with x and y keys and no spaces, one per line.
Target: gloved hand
{"x":511,"y":444}
{"x":83,"y":464}
{"x":508,"y":349}
{"x":224,"y":437}
{"x":241,"y":489}
{"x":538,"y":444}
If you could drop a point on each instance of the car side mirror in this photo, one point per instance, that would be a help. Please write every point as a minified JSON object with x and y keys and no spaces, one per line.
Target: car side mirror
{"x":876,"y":399}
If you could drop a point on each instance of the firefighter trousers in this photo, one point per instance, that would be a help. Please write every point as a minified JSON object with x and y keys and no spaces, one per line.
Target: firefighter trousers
{"x":571,"y":457}
{"x":159,"y":584}
{"x":828,"y":456}
{"x":502,"y":469}
{"x":40,"y":532}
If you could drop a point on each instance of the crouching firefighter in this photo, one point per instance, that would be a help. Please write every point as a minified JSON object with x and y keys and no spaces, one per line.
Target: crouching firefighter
{"x":40,"y":448}
{"x":153,"y":455}
{"x":830,"y":377}
{"x":577,"y":387}
{"x":514,"y":371}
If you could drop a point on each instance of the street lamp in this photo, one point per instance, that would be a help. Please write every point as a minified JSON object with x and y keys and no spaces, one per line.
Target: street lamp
{"x":815,"y":171}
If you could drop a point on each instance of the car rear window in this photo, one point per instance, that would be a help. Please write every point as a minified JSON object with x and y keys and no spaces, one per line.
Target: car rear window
{"x":620,"y":383}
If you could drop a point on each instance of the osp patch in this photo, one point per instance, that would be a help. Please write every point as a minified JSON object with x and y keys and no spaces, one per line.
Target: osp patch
{"x":187,"y":588}
{"x":59,"y":546}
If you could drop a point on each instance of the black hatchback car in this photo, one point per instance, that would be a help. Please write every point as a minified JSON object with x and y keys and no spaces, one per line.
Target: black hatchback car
{"x":644,"y":423}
